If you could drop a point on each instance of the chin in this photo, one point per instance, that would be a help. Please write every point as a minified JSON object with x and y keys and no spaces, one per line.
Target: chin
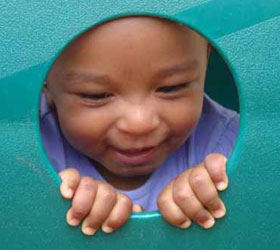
{"x":134,"y":171}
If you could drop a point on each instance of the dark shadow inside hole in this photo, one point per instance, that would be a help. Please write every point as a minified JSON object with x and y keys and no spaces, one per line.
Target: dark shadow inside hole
{"x":220,"y":84}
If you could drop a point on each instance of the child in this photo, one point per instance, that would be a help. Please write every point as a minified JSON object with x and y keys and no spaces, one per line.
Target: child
{"x":124,"y":105}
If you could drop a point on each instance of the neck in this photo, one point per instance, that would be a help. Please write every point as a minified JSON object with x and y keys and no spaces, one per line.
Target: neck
{"x":120,"y":182}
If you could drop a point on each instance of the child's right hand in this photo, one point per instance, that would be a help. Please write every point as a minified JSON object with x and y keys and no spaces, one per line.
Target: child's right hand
{"x":97,"y":203}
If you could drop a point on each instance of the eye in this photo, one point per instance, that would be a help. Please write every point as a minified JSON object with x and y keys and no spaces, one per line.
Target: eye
{"x":173,"y":88}
{"x":96,"y":96}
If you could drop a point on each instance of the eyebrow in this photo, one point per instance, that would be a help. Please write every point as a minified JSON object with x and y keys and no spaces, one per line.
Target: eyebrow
{"x":79,"y":76}
{"x":184,"y":67}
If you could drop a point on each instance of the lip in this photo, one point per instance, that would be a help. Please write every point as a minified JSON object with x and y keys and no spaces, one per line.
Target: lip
{"x":136,"y":156}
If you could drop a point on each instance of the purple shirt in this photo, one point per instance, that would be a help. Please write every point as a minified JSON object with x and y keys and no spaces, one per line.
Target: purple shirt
{"x":215,"y":132}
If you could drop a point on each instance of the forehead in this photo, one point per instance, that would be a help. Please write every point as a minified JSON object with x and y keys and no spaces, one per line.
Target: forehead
{"x":128,"y":32}
{"x":128,"y":27}
{"x":133,"y":46}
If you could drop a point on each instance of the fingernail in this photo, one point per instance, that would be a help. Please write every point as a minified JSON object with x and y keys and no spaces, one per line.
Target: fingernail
{"x":107,"y":229}
{"x":219,"y":213}
{"x":73,"y":222}
{"x":89,"y":231}
{"x":221,"y":186}
{"x":209,"y":223}
{"x":186,"y":224}
{"x":69,"y":192}
{"x":66,"y":191}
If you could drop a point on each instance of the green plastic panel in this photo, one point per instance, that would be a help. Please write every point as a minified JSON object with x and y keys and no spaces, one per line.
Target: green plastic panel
{"x":32,"y":212}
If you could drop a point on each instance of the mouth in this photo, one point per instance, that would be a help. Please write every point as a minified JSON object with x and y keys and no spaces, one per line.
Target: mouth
{"x":136,"y":156}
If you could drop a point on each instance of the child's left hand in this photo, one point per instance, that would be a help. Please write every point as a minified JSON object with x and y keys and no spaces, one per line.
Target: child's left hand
{"x":193,"y":195}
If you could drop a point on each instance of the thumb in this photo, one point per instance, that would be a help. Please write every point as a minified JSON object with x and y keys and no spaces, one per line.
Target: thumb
{"x":137,"y":208}
{"x":70,"y":180}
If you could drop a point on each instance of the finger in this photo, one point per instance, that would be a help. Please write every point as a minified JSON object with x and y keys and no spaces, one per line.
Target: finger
{"x":216,"y":167}
{"x":82,"y":201}
{"x":206,"y":192}
{"x":169,"y":209}
{"x":105,"y":200}
{"x":119,"y":215}
{"x":186,"y":199}
{"x":70,"y":180}
{"x":136,"y":208}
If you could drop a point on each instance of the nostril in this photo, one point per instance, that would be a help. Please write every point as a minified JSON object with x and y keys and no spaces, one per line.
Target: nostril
{"x":137,"y":129}
{"x":138,"y":124}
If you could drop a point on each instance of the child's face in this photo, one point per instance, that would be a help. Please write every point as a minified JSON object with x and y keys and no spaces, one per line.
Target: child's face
{"x":129,"y":92}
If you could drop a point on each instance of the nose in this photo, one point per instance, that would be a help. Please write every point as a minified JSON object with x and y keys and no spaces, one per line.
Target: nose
{"x":138,"y":120}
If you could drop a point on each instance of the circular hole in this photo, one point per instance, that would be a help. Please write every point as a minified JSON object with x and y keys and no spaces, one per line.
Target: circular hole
{"x":125,"y":104}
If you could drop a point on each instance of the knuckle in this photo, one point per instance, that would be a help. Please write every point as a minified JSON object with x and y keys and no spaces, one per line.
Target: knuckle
{"x":73,"y":171}
{"x":72,"y":183}
{"x":213,"y":202}
{"x":69,"y":172}
{"x":87,"y":183}
{"x":125,"y":200}
{"x":177,"y":221}
{"x":162,"y":201}
{"x":117,"y":221}
{"x":114,"y":223}
{"x":197,"y":180}
{"x":174,"y":218}
{"x":182,"y":198}
{"x":95,"y":221}
{"x":79,"y":212}
{"x":108,"y":194}
{"x":215,"y":159}
{"x":71,"y":180}
{"x":216,"y":166}
{"x":200,"y":215}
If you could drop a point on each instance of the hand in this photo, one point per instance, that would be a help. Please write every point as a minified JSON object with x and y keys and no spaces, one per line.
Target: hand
{"x":96,"y":203}
{"x":193,"y":194}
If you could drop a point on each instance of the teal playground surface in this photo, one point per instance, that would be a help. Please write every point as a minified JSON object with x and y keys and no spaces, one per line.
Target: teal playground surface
{"x":246,"y":71}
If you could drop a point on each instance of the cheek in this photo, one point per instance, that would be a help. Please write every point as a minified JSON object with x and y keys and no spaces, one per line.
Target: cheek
{"x":182,"y":116}
{"x":85,"y":128}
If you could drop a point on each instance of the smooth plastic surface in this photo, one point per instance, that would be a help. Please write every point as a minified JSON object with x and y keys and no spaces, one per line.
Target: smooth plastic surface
{"x":32,"y":213}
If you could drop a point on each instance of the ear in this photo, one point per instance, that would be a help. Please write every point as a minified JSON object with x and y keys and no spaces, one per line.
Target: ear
{"x":48,"y":95}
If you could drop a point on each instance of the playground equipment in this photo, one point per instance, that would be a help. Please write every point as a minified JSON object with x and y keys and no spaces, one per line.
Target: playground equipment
{"x":32,"y":212}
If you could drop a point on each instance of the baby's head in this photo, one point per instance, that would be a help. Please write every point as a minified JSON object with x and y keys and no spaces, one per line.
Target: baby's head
{"x":129,"y":92}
